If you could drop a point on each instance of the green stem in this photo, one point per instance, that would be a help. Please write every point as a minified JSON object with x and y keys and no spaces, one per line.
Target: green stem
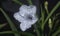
{"x":47,"y":11}
{"x":42,"y":14}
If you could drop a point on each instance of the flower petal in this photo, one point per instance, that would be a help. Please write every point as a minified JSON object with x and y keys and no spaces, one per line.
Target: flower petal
{"x":32,"y":9}
{"x":24,"y":26}
{"x":24,"y":9}
{"x":18,"y":17}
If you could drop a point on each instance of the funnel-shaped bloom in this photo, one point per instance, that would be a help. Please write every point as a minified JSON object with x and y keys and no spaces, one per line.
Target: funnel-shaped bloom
{"x":27,"y":16}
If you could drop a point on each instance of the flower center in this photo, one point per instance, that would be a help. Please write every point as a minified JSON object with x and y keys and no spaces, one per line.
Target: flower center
{"x":29,"y":17}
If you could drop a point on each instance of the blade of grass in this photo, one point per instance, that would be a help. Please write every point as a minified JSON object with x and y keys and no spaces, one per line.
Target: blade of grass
{"x":16,"y":1}
{"x":25,"y":33}
{"x":42,"y":20}
{"x":42,"y":15}
{"x":55,"y":33}
{"x":6,"y":32}
{"x":30,"y":2}
{"x":52,"y":11}
{"x":10,"y":22}
{"x":39,"y":22}
{"x":2,"y":25}
{"x":11,"y":32}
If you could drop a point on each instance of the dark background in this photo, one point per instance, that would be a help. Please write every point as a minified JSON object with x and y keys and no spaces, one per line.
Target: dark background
{"x":10,"y":8}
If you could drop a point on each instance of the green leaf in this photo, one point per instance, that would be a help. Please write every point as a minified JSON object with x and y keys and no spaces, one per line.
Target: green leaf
{"x":10,"y":22}
{"x":42,"y":16}
{"x":11,"y":32}
{"x":2,"y":25}
{"x":16,"y":1}
{"x":6,"y":32}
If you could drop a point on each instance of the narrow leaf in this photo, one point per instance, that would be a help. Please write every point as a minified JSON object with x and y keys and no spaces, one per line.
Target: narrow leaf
{"x":42,"y":16}
{"x":52,"y":11}
{"x":2,"y":25}
{"x":6,"y":32}
{"x":11,"y":32}
{"x":16,"y":1}
{"x":10,"y":22}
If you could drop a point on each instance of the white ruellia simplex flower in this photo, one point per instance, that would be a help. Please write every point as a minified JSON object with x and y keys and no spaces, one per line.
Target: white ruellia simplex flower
{"x":27,"y":16}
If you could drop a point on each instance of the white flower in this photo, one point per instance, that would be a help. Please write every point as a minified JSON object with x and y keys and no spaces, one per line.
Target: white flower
{"x":27,"y":16}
